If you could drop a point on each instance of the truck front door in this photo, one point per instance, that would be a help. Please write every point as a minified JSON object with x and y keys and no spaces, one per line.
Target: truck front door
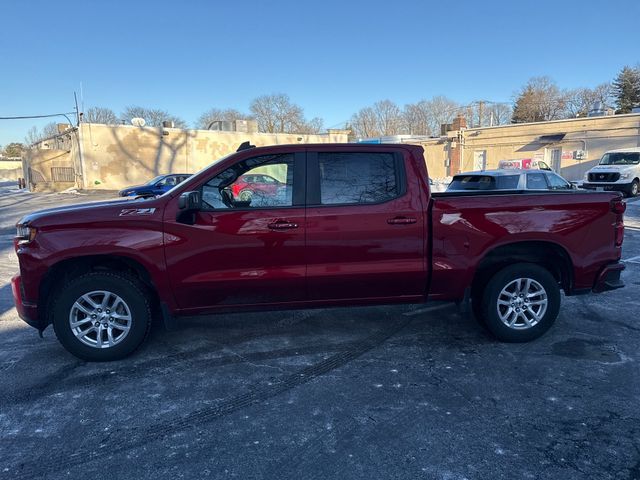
{"x":246,"y":246}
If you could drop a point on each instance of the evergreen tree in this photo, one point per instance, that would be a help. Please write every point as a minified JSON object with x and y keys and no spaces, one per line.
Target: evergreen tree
{"x":626,"y":89}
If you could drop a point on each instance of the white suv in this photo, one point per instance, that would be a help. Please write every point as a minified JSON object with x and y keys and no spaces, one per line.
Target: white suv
{"x":617,"y":170}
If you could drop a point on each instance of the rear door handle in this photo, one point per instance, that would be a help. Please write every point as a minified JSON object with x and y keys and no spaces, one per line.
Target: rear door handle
{"x":401,"y":220}
{"x":282,"y":225}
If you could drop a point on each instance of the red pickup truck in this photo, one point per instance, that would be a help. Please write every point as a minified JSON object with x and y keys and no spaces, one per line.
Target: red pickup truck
{"x":351,"y":224}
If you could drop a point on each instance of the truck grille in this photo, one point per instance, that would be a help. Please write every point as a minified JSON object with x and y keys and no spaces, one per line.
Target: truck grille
{"x":604,"y":177}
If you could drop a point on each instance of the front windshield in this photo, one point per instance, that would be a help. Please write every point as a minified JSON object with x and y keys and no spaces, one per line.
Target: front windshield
{"x":154,"y":180}
{"x":621,"y":158}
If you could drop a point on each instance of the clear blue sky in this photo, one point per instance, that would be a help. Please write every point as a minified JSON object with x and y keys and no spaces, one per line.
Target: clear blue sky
{"x":331,"y":57}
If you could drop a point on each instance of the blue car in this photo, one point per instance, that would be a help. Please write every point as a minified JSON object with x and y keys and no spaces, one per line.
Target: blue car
{"x":156,"y":186}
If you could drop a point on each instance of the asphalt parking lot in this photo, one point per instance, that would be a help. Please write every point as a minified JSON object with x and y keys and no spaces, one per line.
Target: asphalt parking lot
{"x":386,"y":392}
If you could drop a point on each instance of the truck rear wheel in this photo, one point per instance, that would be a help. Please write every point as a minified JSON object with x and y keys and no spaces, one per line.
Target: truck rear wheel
{"x":101,"y":316}
{"x":520,"y":302}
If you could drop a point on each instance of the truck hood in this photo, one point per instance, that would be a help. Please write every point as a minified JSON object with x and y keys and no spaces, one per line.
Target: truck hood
{"x":54,"y":215}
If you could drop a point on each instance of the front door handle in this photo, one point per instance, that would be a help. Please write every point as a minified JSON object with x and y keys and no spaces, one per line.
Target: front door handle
{"x":282,"y":225}
{"x":401,"y":220}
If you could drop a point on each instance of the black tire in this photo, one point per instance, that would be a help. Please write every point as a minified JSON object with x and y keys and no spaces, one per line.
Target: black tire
{"x":476,"y":308}
{"x":520,"y":331}
{"x":136,"y":300}
{"x":245,"y":195}
{"x":633,"y":189}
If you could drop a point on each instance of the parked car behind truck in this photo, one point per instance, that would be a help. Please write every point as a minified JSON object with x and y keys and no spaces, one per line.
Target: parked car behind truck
{"x":155,"y":186}
{"x":617,"y":170}
{"x":509,"y":179}
{"x":353,"y":224}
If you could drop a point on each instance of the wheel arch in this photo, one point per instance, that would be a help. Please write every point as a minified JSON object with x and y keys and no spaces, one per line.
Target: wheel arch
{"x":59,"y":273}
{"x":549,"y":255}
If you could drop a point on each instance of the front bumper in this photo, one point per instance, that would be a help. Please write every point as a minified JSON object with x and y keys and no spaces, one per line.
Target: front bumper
{"x":607,"y":186}
{"x":26,"y":311}
{"x":609,"y":278}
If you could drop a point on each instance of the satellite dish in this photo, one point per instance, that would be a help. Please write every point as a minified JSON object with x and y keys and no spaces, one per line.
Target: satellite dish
{"x":138,"y":122}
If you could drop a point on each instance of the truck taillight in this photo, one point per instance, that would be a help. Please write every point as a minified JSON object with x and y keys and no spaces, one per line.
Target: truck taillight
{"x":618,"y":206}
{"x":619,"y":233}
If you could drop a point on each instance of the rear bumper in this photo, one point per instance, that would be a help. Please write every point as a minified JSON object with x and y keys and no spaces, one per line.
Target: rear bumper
{"x":609,"y":278}
{"x":26,"y":311}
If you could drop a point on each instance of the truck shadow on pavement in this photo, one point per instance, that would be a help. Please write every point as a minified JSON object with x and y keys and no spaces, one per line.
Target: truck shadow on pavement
{"x":263,"y":341}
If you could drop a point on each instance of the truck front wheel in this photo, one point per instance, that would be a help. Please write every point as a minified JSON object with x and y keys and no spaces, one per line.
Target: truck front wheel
{"x":521,"y":302}
{"x":101,"y":316}
{"x":633,"y":189}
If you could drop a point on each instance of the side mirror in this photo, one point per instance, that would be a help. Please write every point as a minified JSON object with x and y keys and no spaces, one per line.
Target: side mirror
{"x":188,"y":204}
{"x":189,"y":201}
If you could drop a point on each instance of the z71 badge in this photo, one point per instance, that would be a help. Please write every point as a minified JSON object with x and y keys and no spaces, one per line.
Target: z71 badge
{"x":136,"y":211}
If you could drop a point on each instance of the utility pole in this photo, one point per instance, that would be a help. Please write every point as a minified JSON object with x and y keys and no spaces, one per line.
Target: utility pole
{"x":480,"y":112}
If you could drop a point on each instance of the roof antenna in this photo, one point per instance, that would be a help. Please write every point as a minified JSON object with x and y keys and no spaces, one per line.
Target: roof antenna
{"x":245,"y":146}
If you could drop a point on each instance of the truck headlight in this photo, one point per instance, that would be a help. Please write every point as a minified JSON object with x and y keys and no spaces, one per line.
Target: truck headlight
{"x":624,"y":175}
{"x":25,"y":234}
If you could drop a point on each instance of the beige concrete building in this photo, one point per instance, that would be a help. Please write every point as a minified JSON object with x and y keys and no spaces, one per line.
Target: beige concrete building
{"x":106,"y":157}
{"x":112,"y":157}
{"x":570,"y":147}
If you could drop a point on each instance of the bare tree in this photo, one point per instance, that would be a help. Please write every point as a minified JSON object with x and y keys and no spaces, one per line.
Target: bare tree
{"x":417,"y":118}
{"x":538,"y":101}
{"x":389,"y":117}
{"x":312,"y":127}
{"x":482,"y":113}
{"x":49,"y":130}
{"x":382,"y":118}
{"x":364,"y":124}
{"x":152,"y":117}
{"x":581,"y":100}
{"x":498,"y":114}
{"x":101,"y":115}
{"x":443,"y":110}
{"x":277,"y":114}
{"x":35,"y":135}
{"x":229,"y":115}
{"x":32,"y":136}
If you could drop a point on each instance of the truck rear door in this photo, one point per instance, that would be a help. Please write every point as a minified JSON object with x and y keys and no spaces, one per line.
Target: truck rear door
{"x":365,"y":235}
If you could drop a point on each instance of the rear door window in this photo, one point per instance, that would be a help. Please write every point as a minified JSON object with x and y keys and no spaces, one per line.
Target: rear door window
{"x":507,"y":182}
{"x":536,"y":181}
{"x":348,"y":178}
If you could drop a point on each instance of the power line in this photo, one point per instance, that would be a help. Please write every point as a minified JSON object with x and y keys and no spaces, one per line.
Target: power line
{"x":25,"y":117}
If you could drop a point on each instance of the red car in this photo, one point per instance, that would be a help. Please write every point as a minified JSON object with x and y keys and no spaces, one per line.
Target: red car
{"x":262,"y":184}
{"x":358,"y":225}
